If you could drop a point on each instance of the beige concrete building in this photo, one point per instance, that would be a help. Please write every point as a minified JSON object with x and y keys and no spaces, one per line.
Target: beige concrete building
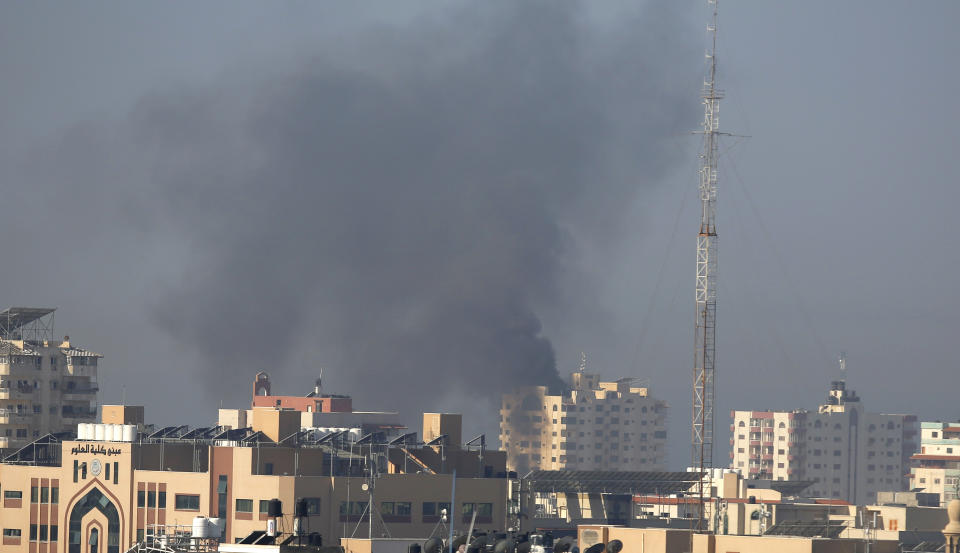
{"x":64,"y":496}
{"x":846,"y":452}
{"x":936,"y":469}
{"x":318,"y":411}
{"x":595,"y":425}
{"x":46,"y":386}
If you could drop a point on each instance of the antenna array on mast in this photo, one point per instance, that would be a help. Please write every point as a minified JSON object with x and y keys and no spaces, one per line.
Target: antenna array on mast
{"x":706,"y":284}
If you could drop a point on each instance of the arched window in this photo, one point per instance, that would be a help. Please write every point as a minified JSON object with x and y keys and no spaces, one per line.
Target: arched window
{"x":782,"y":425}
{"x":95,"y":500}
{"x":741,"y":425}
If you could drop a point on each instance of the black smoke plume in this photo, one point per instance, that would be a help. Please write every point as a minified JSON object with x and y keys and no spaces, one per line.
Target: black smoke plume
{"x":398,"y":211}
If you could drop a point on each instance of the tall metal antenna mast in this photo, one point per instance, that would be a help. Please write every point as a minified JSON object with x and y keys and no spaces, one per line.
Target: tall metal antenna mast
{"x":706,"y":321}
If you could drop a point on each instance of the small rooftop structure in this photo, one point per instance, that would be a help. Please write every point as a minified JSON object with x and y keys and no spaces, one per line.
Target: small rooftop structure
{"x":26,"y":323}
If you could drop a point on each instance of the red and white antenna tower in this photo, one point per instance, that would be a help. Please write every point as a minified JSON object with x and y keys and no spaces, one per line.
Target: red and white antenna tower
{"x":706,"y":320}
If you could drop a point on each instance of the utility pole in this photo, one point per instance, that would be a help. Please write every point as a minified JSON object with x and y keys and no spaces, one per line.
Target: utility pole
{"x":706,"y":285}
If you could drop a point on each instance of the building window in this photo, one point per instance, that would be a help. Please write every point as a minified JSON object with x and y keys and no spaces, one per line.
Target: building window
{"x":183,"y":502}
{"x":141,"y":498}
{"x":11,"y":533}
{"x":151,"y":499}
{"x":33,"y":532}
{"x":162,"y":500}
{"x":244,"y":505}
{"x":13,"y":494}
{"x":53,"y":532}
{"x":34,"y":494}
{"x":264,"y":506}
{"x":54,"y":496}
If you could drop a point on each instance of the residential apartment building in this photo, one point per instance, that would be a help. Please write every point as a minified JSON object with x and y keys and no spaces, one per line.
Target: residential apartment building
{"x":936,"y":469}
{"x":844,"y":451}
{"x":594,"y":425}
{"x":104,"y":495}
{"x":46,"y":386}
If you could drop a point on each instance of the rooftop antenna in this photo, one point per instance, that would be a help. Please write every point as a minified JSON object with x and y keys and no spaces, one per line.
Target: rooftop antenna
{"x":583,"y":362}
{"x":843,"y":365}
{"x":706,"y":282}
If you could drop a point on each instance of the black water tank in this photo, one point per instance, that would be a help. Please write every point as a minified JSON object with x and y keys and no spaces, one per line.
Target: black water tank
{"x":274,"y":508}
{"x":505,"y":546}
{"x":413,"y":548}
{"x":433,"y":545}
{"x":300,"y":508}
{"x":595,"y":548}
{"x":614,"y":546}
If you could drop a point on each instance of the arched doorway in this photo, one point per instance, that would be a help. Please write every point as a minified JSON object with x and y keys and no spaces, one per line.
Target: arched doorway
{"x":96,"y":543}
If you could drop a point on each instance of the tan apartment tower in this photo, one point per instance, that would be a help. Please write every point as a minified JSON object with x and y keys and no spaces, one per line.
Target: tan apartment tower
{"x":595,"y":425}
{"x":46,"y":386}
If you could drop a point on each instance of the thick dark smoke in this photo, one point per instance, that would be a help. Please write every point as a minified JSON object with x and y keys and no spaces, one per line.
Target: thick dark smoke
{"x":399,"y":213}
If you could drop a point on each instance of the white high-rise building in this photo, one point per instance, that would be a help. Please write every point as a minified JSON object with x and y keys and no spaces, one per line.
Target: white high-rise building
{"x":592,"y":426}
{"x":845,"y":452}
{"x":936,"y":469}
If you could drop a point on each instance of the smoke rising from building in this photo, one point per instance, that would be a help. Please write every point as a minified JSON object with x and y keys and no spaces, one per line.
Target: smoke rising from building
{"x":397,"y":211}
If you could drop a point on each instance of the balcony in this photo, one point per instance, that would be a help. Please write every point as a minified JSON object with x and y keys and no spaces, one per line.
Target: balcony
{"x":8,"y":416}
{"x":16,"y":392}
{"x":80,"y":392}
{"x":78,"y":415}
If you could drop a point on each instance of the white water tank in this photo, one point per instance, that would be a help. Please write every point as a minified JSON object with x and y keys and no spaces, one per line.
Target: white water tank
{"x":82,"y":431}
{"x":201,"y":527}
{"x":129,"y":432}
{"x":216,"y":527}
{"x":98,"y":432}
{"x":117,"y":432}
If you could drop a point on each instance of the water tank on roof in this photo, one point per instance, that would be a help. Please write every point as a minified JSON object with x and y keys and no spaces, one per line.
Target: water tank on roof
{"x":215,"y":527}
{"x":98,"y":432}
{"x":83,"y":431}
{"x":274,"y":508}
{"x":201,"y":527}
{"x":129,"y":432}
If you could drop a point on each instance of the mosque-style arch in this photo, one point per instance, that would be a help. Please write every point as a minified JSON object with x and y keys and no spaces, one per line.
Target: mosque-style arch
{"x":95,"y":500}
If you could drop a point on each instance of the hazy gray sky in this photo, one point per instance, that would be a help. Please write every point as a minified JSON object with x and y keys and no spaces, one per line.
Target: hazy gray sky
{"x":430,"y":200}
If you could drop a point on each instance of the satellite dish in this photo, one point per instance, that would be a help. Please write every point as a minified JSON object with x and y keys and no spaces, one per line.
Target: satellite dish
{"x":365,"y":486}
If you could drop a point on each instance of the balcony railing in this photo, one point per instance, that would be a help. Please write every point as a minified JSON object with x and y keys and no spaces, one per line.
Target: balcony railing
{"x":81,"y":391}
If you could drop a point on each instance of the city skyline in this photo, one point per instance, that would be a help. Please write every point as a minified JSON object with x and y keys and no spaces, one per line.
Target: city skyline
{"x":834,"y":213}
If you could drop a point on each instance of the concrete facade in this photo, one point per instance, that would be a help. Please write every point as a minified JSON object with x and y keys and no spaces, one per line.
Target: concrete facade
{"x":846,"y":452}
{"x":46,"y":386}
{"x":936,"y":469}
{"x":595,"y":425}
{"x":66,"y":492}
